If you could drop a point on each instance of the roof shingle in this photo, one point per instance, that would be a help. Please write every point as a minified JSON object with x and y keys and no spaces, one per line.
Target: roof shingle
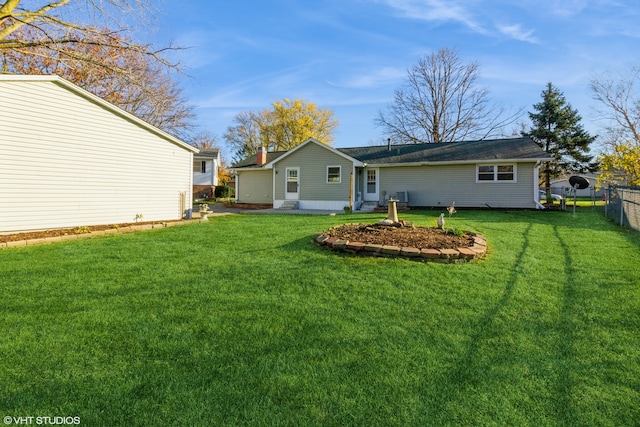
{"x":444,"y":152}
{"x":485,"y":150}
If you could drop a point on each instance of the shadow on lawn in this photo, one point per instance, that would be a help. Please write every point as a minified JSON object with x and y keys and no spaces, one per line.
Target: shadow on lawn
{"x":454,"y":385}
{"x":469,"y":368}
{"x":565,"y":346}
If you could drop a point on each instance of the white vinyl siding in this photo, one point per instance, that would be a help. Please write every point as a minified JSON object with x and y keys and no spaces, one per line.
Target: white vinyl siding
{"x":204,"y":172}
{"x":78,"y":162}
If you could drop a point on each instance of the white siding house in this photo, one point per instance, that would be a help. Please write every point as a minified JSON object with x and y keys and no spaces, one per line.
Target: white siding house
{"x":206,"y":165}
{"x":69,"y":158}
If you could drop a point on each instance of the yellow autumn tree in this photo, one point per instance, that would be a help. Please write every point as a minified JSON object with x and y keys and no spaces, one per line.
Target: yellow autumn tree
{"x":282,"y":127}
{"x":619,"y":164}
{"x":289,"y":123}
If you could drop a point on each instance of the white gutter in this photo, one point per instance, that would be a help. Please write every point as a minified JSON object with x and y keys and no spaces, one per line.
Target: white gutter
{"x":536,"y":177}
{"x":456,"y":162}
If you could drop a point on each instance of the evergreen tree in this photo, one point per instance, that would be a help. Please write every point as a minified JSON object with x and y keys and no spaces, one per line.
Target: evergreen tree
{"x":557,"y":129}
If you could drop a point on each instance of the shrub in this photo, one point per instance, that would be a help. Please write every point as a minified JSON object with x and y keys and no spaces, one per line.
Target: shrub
{"x":223,"y":191}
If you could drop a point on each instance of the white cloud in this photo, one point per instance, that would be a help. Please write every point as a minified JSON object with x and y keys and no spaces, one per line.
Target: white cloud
{"x":436,"y":11}
{"x":567,"y":8}
{"x":518,"y":33}
{"x":380,"y":77}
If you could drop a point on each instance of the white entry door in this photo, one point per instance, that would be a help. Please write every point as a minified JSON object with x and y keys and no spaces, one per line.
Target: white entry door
{"x":371,"y":185}
{"x":292,"y":184}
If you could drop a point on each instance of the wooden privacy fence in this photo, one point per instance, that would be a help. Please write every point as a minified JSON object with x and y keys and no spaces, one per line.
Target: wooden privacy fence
{"x":623,"y":206}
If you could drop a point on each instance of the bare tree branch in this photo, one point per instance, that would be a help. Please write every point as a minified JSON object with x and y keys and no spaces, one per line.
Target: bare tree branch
{"x":105,"y":66}
{"x":54,"y":32}
{"x":621,"y":102}
{"x":441,"y":102}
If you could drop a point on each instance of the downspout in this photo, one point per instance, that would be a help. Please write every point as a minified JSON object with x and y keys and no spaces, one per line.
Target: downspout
{"x":536,"y":177}
{"x":351,"y":190}
{"x":189,"y":201}
{"x":273,"y":184}
{"x":355,"y":202}
{"x":236,"y":183}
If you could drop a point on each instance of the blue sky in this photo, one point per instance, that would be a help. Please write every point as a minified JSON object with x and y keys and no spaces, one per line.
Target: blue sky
{"x":350,"y":55}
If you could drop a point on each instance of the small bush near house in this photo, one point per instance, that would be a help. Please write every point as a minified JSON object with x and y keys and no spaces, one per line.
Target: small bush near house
{"x":224,"y":191}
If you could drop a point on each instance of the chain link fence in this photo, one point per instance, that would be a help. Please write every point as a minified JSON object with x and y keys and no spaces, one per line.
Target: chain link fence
{"x":623,"y":206}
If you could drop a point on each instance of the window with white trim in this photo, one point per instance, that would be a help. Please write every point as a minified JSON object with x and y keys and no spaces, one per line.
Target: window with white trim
{"x":203,"y":166}
{"x":496,"y":173}
{"x":333,"y":174}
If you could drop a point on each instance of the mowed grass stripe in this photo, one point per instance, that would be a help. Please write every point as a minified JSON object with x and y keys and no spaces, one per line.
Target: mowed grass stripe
{"x":243,"y":321}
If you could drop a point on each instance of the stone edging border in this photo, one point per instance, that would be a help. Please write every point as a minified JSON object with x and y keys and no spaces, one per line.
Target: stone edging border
{"x":128,"y":229}
{"x":476,"y":251}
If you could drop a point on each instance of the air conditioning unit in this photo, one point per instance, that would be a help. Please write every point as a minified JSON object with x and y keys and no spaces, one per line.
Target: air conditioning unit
{"x":401,"y":196}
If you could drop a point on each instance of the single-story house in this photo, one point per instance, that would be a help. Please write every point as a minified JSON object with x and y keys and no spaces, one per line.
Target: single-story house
{"x":68,"y":158}
{"x":206,"y":165}
{"x":499,"y":173}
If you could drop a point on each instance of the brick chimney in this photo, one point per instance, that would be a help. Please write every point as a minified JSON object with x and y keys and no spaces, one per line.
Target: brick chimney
{"x":261,"y":156}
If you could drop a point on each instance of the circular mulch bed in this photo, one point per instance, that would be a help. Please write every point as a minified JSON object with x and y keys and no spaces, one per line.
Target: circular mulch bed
{"x":403,"y":236}
{"x":404,"y":240}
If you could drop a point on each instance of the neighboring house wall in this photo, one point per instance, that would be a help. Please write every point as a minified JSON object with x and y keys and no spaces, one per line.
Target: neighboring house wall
{"x":209,"y":177}
{"x":68,"y":159}
{"x":204,"y":183}
{"x":254,"y":186}
{"x":314,"y":190}
{"x":563,"y":188}
{"x":442,"y":185}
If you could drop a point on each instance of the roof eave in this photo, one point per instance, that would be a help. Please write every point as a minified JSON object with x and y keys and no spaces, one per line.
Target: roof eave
{"x":252,"y":167}
{"x":458,"y":162}
{"x":355,"y":161}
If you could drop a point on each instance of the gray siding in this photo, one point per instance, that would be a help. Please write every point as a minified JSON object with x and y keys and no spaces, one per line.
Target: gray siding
{"x":255,"y":186}
{"x":442,"y":185}
{"x":313,"y":161}
{"x":66,"y":160}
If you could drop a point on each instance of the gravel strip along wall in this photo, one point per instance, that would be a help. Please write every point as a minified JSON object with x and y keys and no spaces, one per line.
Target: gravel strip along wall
{"x":127,"y":229}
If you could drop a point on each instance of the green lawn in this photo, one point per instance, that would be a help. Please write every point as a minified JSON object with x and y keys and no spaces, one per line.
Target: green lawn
{"x":243,"y":321}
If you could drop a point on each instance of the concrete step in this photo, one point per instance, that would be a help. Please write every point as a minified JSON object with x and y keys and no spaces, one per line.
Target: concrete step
{"x":368,"y":207}
{"x":289,"y":204}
